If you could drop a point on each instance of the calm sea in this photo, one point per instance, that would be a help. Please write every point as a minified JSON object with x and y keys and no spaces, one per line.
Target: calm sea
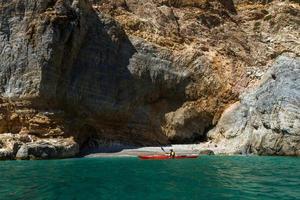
{"x":209,"y":177}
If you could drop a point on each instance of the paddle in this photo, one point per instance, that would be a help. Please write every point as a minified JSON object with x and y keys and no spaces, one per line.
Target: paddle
{"x":161,"y":147}
{"x":164,"y":151}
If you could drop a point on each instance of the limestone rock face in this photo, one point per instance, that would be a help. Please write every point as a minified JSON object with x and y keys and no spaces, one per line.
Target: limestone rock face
{"x":132,"y":72}
{"x":62,"y":53}
{"x":71,"y":59}
{"x":221,"y":47}
{"x":266,"y":121}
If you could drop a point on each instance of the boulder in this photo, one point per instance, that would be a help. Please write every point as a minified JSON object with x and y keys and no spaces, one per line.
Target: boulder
{"x":206,"y":152}
{"x":10,"y":144}
{"x":48,"y":149}
{"x":6,"y":154}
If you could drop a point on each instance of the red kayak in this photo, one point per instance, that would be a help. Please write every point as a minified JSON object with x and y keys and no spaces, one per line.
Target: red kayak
{"x":165,"y":157}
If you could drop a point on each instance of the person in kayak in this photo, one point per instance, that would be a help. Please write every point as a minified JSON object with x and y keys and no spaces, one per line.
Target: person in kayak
{"x":172,"y":153}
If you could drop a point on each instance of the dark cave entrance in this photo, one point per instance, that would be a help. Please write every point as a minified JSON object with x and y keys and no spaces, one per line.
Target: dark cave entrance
{"x":88,"y":139}
{"x":197,"y":136}
{"x":195,"y":129}
{"x":92,"y":140}
{"x":205,"y":133}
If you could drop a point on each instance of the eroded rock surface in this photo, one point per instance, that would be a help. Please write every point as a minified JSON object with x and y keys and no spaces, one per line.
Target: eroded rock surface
{"x":20,"y":146}
{"x":266,"y":121}
{"x":47,"y":149}
{"x":221,"y":47}
{"x":131,"y":72}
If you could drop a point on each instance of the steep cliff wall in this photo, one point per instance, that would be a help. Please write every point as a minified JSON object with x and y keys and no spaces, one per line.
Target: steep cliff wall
{"x":135,"y":72}
{"x":224,"y":48}
{"x":266,"y":119}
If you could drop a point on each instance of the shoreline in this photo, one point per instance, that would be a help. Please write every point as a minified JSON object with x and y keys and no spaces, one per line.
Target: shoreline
{"x":180,"y":149}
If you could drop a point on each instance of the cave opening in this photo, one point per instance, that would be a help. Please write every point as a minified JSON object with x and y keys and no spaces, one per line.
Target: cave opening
{"x":88,"y":139}
{"x":200,"y":136}
{"x":92,"y":140}
{"x":205,"y":133}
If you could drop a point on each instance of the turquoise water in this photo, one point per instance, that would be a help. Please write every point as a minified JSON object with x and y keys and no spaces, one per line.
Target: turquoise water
{"x":213,"y":177}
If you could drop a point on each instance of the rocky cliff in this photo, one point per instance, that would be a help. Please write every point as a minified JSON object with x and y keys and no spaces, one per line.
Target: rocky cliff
{"x":76,"y":75}
{"x":266,"y":119}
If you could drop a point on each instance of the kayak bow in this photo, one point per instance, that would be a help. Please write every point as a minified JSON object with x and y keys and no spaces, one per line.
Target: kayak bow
{"x":165,"y":157}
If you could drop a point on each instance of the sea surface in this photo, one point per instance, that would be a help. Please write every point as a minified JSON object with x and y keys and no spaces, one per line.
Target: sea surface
{"x":209,"y":177}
